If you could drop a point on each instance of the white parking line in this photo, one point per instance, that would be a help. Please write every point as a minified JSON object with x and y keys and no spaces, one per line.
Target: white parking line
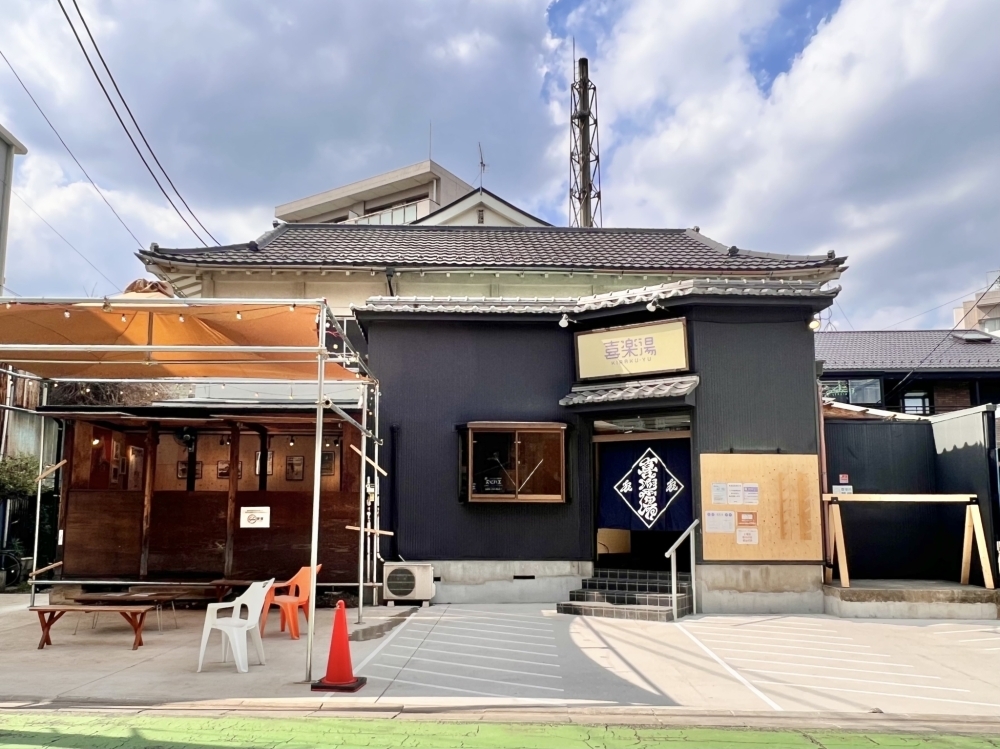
{"x":384,"y":642}
{"x":487,"y":632}
{"x":880,"y":694}
{"x":799,"y":647}
{"x":482,"y":647}
{"x":529,"y":617}
{"x":472,"y":665}
{"x":475,"y":620}
{"x":496,"y":639}
{"x":830,"y":668}
{"x":470,"y":678}
{"x":981,"y":639}
{"x":772,"y":635}
{"x":818,"y":657}
{"x":964,"y":631}
{"x":435,"y":686}
{"x":729,"y":669}
{"x":476,"y":655}
{"x":851,"y":678}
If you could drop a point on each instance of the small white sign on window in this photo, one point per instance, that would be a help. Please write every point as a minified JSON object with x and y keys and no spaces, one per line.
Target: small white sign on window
{"x":843,"y":489}
{"x":751,"y":494}
{"x":720,"y":521}
{"x":734,"y":493}
{"x":255,"y":517}
{"x":718,"y":494}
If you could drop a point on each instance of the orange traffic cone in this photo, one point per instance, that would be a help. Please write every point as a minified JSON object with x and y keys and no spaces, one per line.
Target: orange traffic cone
{"x":339,"y":673}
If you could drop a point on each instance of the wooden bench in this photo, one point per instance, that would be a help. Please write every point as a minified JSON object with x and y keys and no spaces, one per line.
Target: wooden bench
{"x":49,"y":615}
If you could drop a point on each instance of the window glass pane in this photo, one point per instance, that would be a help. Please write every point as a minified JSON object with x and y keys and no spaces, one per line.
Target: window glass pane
{"x":539,"y":468}
{"x":837,"y":390}
{"x":410,"y":213}
{"x":866,"y":392}
{"x":493,"y":462}
{"x":991,"y":324}
{"x":917,"y":403}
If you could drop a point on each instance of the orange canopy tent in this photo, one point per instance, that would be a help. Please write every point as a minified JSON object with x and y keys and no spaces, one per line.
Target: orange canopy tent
{"x":151,"y":336}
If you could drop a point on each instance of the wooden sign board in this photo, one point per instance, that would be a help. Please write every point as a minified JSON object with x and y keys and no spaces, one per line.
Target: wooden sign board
{"x":786,"y":515}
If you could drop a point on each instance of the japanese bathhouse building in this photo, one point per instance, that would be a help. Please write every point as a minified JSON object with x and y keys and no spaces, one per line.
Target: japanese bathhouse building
{"x":556,"y":400}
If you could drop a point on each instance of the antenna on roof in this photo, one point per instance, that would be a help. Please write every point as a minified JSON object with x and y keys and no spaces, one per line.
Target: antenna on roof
{"x":584,"y":159}
{"x":482,"y":167}
{"x":430,"y":139}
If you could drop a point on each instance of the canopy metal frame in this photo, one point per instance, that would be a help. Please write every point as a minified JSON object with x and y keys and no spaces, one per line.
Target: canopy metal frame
{"x":325,"y":319}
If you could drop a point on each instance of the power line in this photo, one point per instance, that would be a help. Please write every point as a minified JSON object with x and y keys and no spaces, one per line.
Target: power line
{"x":837,"y":302}
{"x":921,"y":314}
{"x":135,"y":122}
{"x":125,"y":128}
{"x":42,"y":218}
{"x":68,"y":150}
{"x":944,"y":338}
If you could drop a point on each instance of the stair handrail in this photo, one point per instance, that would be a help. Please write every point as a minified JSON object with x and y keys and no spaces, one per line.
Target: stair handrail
{"x":672,"y":556}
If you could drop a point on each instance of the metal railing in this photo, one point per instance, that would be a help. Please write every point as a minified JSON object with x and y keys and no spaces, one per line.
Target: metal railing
{"x":672,"y":556}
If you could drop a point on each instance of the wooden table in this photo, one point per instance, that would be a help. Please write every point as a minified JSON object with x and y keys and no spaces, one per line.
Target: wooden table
{"x":49,"y":615}
{"x":157,"y":598}
{"x":225,"y":586}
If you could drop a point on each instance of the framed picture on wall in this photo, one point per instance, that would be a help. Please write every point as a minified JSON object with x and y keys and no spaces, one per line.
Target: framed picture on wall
{"x":327,"y":463}
{"x":222,"y":469}
{"x":270,"y":463}
{"x":136,"y":457}
{"x":115,"y":472}
{"x":295,"y":468}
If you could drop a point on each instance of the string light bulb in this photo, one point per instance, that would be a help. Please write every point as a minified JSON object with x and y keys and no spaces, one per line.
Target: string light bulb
{"x":291,"y":441}
{"x":291,"y":308}
{"x":239,"y":315}
{"x":66,"y":313}
{"x":96,"y":441}
{"x":124,"y":319}
{"x":181,"y":318}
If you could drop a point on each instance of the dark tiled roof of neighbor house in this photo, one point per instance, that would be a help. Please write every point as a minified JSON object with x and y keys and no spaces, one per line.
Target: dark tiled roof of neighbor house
{"x":338,"y":245}
{"x":903,"y":350}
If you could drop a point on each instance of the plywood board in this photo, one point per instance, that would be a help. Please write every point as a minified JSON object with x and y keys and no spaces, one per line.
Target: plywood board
{"x":788,"y":509}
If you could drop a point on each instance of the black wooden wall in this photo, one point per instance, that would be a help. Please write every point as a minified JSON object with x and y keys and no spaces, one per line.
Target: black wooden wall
{"x":436,"y":374}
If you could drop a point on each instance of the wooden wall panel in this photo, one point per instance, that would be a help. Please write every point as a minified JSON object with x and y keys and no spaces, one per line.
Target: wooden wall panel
{"x":103,"y":534}
{"x":787,"y":515}
{"x":187,"y":534}
{"x":279,"y":551}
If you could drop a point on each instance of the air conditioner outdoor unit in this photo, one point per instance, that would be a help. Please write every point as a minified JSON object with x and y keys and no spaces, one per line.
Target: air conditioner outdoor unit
{"x":407,"y":582}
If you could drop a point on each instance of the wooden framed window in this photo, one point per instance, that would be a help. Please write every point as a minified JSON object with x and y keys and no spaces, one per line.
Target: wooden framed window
{"x":512,"y":462}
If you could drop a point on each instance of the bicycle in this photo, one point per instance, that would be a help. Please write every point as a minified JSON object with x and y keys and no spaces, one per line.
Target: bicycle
{"x":11,"y":567}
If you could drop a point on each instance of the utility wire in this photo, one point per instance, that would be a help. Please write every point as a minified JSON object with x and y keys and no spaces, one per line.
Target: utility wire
{"x":135,"y":122}
{"x":125,"y":128}
{"x":921,"y":314}
{"x":837,"y":302}
{"x":42,"y":218}
{"x":944,"y":338}
{"x":69,"y":151}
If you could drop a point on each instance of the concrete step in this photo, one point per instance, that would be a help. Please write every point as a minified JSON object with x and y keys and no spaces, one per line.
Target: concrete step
{"x":628,"y":598}
{"x":636,"y":586}
{"x":611,"y":611}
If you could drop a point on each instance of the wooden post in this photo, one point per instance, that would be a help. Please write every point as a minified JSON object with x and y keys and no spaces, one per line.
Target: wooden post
{"x":65,"y":480}
{"x":967,"y":547}
{"x":152,"y":438}
{"x":234,"y":484}
{"x":840,"y":551}
{"x":974,"y":529}
{"x":262,"y":463}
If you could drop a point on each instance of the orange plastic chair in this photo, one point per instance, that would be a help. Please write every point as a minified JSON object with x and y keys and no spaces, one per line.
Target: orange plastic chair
{"x":289,"y":604}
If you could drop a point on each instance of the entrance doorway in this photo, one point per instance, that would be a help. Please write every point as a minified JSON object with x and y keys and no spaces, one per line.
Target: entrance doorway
{"x":643,"y":491}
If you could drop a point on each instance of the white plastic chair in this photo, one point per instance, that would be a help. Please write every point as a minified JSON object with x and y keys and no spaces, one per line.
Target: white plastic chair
{"x":235,"y":628}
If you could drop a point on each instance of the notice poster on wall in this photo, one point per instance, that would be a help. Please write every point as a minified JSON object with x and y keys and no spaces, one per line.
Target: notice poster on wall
{"x":720,"y":521}
{"x":718,"y":494}
{"x":747,"y":536}
{"x":255,"y":517}
{"x":746,"y":519}
{"x":751,"y":494}
{"x":734,"y":493}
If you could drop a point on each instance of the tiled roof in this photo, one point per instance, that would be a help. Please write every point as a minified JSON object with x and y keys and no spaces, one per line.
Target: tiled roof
{"x":336,"y":245}
{"x":903,"y":350}
{"x":568,"y":305}
{"x":666,"y":387}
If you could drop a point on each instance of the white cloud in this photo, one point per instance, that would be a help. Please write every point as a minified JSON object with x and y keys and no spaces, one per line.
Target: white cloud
{"x":879,"y":142}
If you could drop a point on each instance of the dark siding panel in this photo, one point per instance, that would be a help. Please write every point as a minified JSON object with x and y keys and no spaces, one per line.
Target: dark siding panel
{"x":966,"y":464}
{"x":882,"y":457}
{"x":758,"y":380}
{"x":436,"y":375}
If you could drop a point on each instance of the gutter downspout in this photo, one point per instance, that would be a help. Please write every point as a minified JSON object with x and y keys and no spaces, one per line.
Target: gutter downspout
{"x":389,"y":275}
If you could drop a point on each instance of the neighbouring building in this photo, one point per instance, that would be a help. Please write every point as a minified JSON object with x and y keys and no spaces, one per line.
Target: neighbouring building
{"x":921,"y":372}
{"x":982,"y":311}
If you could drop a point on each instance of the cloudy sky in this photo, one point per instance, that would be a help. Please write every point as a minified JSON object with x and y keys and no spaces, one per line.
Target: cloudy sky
{"x":798,"y":126}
